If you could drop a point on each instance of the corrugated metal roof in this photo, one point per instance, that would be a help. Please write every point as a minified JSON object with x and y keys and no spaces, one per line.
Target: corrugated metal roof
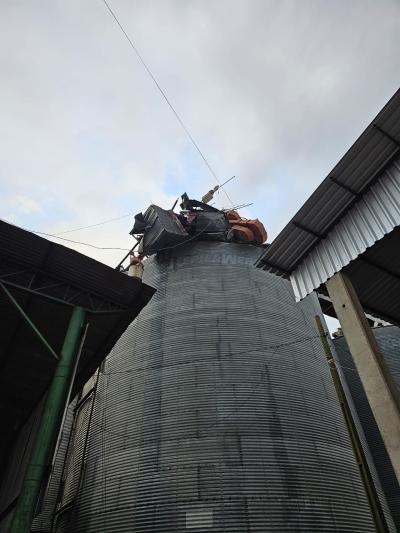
{"x":47,"y":279}
{"x":355,"y":173}
{"x":375,"y":276}
{"x":34,"y":253}
{"x":375,"y":215}
{"x":353,"y":209}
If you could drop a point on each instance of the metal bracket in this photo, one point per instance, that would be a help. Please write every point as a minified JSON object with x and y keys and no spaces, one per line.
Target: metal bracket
{"x":29,"y":321}
{"x":307,"y":230}
{"x":343,"y":186}
{"x":386,"y":134}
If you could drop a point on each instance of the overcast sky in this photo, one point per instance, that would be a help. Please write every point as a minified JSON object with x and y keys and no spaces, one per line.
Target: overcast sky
{"x":274,"y":92}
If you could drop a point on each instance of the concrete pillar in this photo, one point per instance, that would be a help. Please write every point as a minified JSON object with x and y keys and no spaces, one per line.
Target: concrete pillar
{"x":381,"y":391}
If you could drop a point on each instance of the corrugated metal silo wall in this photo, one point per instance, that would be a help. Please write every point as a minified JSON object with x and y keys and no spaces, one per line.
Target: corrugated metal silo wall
{"x":216,"y":411}
{"x":48,"y":500}
{"x":388,"y":339}
{"x":14,"y":467}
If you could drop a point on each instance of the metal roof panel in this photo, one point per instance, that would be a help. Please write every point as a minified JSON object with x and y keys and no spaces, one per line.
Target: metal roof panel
{"x":47,"y":279}
{"x":375,"y":215}
{"x":356,"y":171}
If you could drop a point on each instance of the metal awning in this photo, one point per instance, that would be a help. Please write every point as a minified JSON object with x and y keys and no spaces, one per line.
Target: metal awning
{"x":375,"y":275}
{"x":350,"y":223}
{"x":47,"y":280}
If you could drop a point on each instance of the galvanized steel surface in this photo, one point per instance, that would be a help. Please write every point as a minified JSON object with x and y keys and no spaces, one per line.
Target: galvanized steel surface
{"x":216,"y":411}
{"x":44,"y":518}
{"x":388,"y":339}
{"x":376,"y":214}
{"x":13,"y":469}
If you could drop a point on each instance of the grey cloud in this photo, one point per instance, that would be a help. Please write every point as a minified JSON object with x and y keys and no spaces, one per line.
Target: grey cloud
{"x":273,"y":91}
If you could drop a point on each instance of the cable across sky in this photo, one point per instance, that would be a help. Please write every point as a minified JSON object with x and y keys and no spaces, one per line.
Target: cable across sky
{"x":178,"y":118}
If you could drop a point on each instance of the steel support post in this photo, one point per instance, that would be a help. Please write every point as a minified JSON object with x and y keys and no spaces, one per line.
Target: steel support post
{"x":49,"y":425}
{"x":28,"y":321}
{"x":380,"y":389}
{"x":373,"y":500}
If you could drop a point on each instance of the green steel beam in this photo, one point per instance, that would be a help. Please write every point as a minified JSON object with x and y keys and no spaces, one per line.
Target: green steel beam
{"x":49,"y":425}
{"x":29,"y":321}
{"x":118,"y":310}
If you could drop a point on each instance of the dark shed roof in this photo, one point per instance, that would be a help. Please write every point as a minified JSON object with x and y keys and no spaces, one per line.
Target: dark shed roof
{"x":48,"y":280}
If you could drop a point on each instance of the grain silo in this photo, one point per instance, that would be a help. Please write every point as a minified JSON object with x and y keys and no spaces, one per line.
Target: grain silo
{"x":215,"y":411}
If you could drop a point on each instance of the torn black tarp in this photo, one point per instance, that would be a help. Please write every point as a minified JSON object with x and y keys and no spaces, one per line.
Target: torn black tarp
{"x":161,"y":229}
{"x":139,"y":226}
{"x":213,"y":225}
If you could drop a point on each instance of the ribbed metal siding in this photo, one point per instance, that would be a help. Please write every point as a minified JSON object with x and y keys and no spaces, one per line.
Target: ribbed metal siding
{"x":13,"y":469}
{"x":216,"y":411}
{"x":372,"y":152}
{"x":373,"y":216}
{"x":389,"y":342}
{"x":43,"y":520}
{"x":75,"y":464}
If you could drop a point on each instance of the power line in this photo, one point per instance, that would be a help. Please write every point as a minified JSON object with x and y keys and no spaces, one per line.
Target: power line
{"x":78,"y":242}
{"x":149,"y":72}
{"x":64,"y":239}
{"x":263,"y":348}
{"x":253,"y":389}
{"x":97,"y":224}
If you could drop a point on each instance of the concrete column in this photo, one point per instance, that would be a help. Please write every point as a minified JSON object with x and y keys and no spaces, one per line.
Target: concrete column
{"x":382,"y":393}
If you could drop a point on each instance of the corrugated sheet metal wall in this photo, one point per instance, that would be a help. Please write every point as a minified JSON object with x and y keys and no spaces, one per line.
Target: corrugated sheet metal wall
{"x":388,"y":339}
{"x":75,"y":464}
{"x":14,"y":470}
{"x":373,"y":216}
{"x":43,"y":520}
{"x":216,"y":411}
